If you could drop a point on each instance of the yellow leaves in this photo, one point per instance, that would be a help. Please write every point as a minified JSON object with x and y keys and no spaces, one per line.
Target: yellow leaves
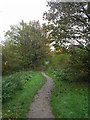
{"x":59,"y":51}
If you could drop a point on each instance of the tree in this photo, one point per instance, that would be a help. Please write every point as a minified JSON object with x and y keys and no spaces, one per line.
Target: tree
{"x":26,"y":46}
{"x":68,"y":22}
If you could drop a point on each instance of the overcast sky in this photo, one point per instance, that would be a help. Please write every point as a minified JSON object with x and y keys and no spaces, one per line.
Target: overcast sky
{"x":13,"y":11}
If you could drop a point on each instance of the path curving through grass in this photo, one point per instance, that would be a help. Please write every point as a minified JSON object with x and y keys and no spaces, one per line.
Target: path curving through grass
{"x":40,"y":108}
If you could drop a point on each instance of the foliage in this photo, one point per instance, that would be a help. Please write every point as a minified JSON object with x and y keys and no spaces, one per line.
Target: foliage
{"x":26,"y":46}
{"x":71,"y":67}
{"x":68,"y":22}
{"x":79,"y":64}
{"x":58,"y":61}
{"x":60,"y":74}
{"x":13,"y":83}
{"x":18,"y":106}
{"x":11,"y":59}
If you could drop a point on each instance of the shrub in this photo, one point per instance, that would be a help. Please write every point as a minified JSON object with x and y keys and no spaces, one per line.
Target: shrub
{"x":60,"y":74}
{"x":79,"y":65}
{"x":12,"y":83}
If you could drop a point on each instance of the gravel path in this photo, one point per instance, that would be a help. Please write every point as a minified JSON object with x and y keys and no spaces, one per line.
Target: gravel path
{"x":40,"y":108}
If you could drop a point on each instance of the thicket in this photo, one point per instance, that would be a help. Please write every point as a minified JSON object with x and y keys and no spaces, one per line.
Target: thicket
{"x":75,"y":68}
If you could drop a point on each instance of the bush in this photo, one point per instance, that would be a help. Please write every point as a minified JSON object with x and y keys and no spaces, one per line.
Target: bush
{"x":60,"y":74}
{"x":79,"y":65}
{"x":12,"y":83}
{"x":75,"y":68}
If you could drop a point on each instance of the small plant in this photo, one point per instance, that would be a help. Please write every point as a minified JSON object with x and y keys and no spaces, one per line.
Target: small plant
{"x":60,"y":74}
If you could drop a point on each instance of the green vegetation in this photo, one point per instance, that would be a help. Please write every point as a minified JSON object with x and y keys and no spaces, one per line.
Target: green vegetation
{"x":69,"y":31}
{"x":59,"y":59}
{"x":69,"y":99}
{"x":67,"y":24}
{"x":27,"y":47}
{"x":70,"y":96}
{"x":18,"y":106}
{"x":13,"y":83}
{"x":79,"y":64}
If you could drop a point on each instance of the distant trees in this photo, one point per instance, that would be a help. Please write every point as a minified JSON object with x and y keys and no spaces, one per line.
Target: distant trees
{"x":26,"y":46}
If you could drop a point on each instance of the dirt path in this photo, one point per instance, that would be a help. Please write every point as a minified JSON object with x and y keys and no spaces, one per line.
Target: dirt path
{"x":40,"y":108}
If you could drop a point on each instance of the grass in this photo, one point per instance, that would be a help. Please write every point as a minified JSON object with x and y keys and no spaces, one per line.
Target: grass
{"x":69,"y":100}
{"x":18,"y":106}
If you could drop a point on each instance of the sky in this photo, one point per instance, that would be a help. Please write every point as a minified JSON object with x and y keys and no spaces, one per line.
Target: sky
{"x":13,"y":11}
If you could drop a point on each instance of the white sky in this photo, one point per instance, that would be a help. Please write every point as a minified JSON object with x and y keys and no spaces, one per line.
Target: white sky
{"x":13,"y":11}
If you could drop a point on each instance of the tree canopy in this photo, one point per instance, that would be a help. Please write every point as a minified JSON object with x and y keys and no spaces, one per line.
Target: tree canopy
{"x":68,"y":22}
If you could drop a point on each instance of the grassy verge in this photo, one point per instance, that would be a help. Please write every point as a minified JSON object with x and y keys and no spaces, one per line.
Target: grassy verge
{"x":69,"y":100}
{"x":18,"y":106}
